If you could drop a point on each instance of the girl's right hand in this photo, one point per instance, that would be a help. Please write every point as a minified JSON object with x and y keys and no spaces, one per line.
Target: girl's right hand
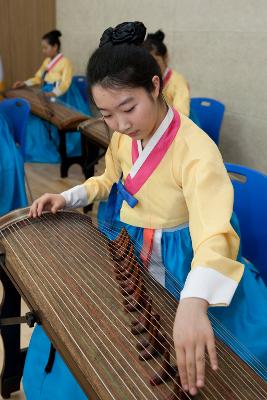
{"x":18,"y":84}
{"x":193,"y":335}
{"x":47,"y":202}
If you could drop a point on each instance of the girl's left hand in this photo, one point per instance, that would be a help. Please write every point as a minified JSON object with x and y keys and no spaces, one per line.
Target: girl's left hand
{"x":192,"y":335}
{"x":18,"y":84}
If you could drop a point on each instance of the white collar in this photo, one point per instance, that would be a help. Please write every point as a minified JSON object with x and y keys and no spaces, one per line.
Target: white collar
{"x":54,"y":60}
{"x":165,"y":73}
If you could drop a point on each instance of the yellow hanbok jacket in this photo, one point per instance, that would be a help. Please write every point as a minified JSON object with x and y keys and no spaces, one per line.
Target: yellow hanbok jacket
{"x":60,"y":74}
{"x":188,"y":185}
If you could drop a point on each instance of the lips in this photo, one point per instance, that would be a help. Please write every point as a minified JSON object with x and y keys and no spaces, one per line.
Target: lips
{"x":132,"y":134}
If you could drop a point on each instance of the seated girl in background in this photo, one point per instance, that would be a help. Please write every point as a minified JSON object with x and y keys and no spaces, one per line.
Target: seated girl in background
{"x":167,"y":185}
{"x":175,"y":86}
{"x":55,"y":78}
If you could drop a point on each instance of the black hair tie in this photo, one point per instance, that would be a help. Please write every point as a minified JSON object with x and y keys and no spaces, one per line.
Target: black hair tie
{"x":127,"y":32}
{"x":106,"y":37}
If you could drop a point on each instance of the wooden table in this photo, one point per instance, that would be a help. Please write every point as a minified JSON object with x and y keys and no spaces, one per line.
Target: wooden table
{"x":97,"y":136}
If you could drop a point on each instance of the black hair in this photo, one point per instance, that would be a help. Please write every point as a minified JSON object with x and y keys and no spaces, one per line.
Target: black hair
{"x":154,"y":42}
{"x":52,"y":38}
{"x":121,"y":60}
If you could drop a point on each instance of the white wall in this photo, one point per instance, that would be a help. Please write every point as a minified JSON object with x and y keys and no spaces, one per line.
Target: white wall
{"x":220,"y":47}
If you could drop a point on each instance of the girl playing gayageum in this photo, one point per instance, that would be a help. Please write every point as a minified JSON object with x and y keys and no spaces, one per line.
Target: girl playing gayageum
{"x":166,"y":183}
{"x":55,"y":80}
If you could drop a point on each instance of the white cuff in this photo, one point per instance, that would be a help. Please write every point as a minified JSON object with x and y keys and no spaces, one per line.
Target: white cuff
{"x":209,"y":284}
{"x":76,"y":197}
{"x":57,"y":91}
{"x":28,"y":82}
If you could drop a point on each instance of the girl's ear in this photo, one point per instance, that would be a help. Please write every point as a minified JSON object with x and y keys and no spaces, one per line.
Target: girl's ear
{"x":156,"y":87}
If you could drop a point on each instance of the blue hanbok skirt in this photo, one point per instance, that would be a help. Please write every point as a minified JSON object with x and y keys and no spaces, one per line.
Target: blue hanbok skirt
{"x":12,"y":194}
{"x":42,"y":139}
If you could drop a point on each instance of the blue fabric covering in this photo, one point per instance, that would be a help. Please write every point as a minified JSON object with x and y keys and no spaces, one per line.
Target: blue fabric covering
{"x":42,"y":138}
{"x":242,"y":325}
{"x":39,"y":385}
{"x":13,"y":194}
{"x":16,"y":111}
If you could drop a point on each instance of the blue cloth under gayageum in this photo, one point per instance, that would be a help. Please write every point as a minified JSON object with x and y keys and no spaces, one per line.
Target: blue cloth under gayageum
{"x":59,"y":384}
{"x":42,"y":139}
{"x":12,"y":194}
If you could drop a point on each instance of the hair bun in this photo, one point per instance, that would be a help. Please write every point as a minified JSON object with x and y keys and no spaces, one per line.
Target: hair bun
{"x":56,"y":33}
{"x":127,"y":32}
{"x":159,"y":36}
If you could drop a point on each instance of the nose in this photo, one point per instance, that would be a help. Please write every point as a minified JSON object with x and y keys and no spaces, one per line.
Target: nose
{"x":124,"y":124}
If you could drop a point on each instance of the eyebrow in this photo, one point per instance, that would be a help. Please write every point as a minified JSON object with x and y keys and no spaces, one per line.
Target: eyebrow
{"x":128,"y":100}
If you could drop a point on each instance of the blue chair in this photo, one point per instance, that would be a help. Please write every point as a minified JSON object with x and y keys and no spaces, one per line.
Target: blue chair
{"x":250,"y":206}
{"x":209,"y":115}
{"x":17,"y":113}
{"x":82,"y":84}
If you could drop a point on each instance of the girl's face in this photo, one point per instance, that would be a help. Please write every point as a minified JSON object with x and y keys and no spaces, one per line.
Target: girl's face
{"x":49,"y":50}
{"x":131,"y":111}
{"x":162,"y":61}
